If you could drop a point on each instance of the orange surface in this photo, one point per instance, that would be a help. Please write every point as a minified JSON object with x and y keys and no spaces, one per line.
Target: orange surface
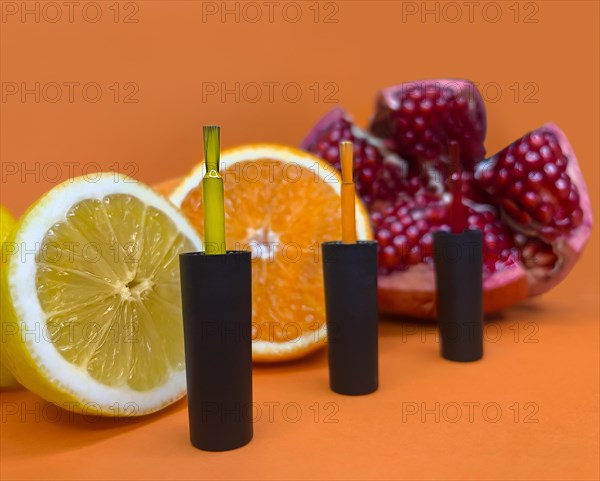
{"x":529,"y":72}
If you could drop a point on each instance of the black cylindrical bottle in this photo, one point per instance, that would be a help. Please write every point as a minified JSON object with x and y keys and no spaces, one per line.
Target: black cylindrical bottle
{"x":216,"y":293}
{"x":458,"y":268}
{"x":350,"y":279}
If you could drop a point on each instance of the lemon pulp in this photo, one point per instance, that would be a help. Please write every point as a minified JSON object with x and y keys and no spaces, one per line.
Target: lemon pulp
{"x":107,"y":278}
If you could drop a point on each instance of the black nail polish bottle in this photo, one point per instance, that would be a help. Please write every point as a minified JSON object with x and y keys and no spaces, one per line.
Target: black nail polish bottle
{"x":458,"y":268}
{"x":458,"y":257}
{"x":350,"y":277}
{"x":216,"y":293}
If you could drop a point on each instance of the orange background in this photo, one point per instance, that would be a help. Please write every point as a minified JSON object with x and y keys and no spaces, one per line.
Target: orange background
{"x":168,"y":56}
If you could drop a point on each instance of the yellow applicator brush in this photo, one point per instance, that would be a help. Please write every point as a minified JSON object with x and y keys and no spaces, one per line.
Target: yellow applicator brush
{"x":350,"y":279}
{"x":212,"y":192}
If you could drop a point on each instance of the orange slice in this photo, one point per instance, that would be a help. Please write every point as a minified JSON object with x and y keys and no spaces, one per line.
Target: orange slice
{"x":280,"y":203}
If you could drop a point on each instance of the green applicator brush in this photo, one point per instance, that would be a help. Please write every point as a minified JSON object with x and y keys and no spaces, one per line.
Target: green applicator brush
{"x":212,"y":191}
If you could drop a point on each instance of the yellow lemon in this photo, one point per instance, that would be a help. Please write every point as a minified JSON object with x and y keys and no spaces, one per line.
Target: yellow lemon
{"x":93,"y":298}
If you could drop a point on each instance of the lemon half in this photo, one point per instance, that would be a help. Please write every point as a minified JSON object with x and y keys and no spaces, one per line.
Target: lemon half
{"x":94,"y":308}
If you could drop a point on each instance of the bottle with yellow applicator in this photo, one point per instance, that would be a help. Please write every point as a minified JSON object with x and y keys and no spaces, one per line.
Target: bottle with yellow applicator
{"x":216,"y":292}
{"x":350,"y":278}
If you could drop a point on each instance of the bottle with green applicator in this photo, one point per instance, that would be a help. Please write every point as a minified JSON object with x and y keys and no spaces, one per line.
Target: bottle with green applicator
{"x":216,"y":292}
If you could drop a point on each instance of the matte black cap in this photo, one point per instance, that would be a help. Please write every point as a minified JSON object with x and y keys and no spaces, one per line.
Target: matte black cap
{"x":458,"y":268}
{"x":350,"y":277}
{"x":216,"y":293}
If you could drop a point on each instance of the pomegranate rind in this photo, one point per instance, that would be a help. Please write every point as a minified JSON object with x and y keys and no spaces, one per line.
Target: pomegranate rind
{"x":412,"y":292}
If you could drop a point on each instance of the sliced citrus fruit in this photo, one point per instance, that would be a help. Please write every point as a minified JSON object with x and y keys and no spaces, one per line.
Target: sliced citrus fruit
{"x":94,"y":310}
{"x":7,"y":380}
{"x":281,"y":203}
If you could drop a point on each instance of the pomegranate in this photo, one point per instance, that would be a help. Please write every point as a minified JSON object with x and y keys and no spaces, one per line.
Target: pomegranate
{"x":529,"y":200}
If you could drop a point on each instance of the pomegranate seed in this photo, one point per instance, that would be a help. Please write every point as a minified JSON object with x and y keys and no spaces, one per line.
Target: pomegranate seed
{"x":536,"y":139}
{"x":396,"y":228}
{"x":427,"y":244}
{"x":563,"y":188}
{"x":516,"y":189}
{"x":401,"y":245}
{"x":406,"y":220}
{"x":490,"y":240}
{"x":435,"y":214}
{"x":561,"y":163}
{"x":551,"y":171}
{"x":546,"y":153}
{"x":412,"y":234}
{"x":518,"y":171}
{"x":422,"y":225}
{"x":503,"y":178}
{"x":533,"y":159}
{"x":574,"y":197}
{"x":544,"y":213}
{"x":426,"y":105}
{"x":577,"y":217}
{"x":473,"y":220}
{"x":408,"y":106}
{"x":414,"y":256}
{"x":384,"y":237}
{"x":535,"y":179}
{"x":389,"y":257}
{"x":508,"y":160}
{"x":531,"y":200}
